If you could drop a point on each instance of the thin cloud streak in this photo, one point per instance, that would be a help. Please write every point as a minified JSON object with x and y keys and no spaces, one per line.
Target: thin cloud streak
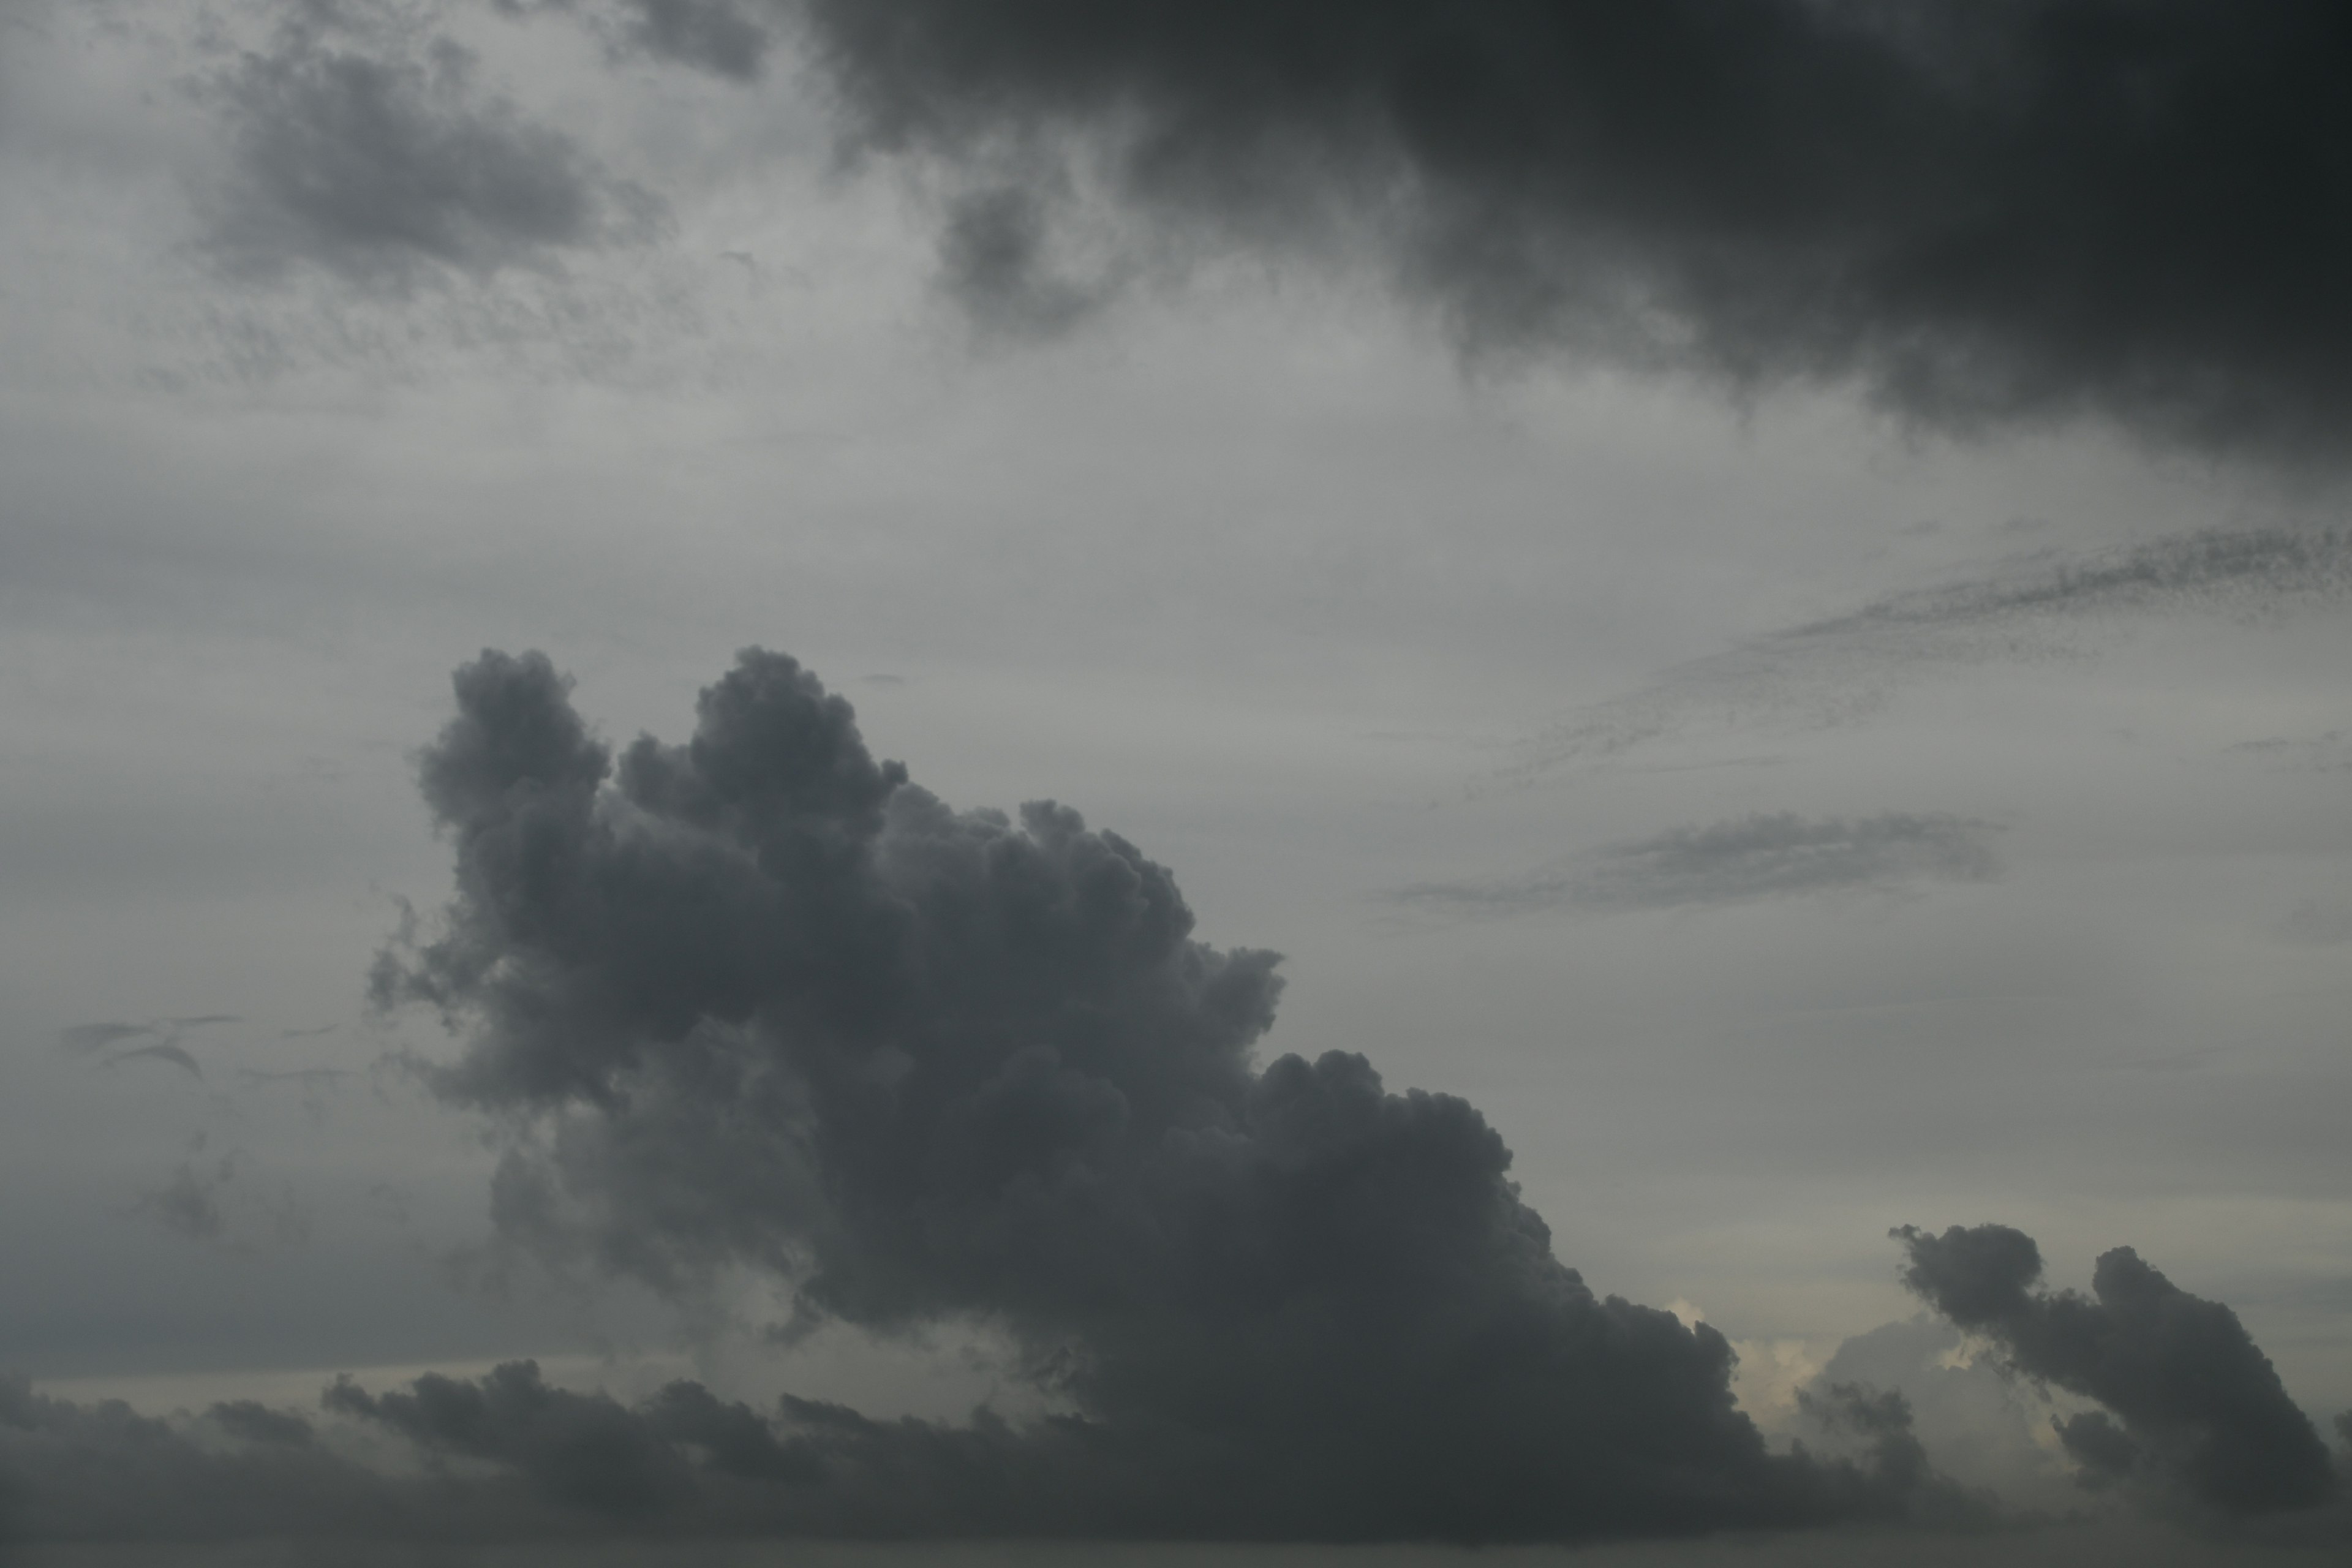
{"x":1841,"y":670}
{"x":1740,"y":861}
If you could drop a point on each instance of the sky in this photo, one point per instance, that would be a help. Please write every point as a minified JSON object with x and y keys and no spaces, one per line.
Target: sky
{"x":1216,"y":783}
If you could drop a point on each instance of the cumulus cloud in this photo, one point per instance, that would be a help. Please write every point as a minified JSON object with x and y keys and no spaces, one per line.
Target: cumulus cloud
{"x":759,"y":1000}
{"x":1837,"y":670}
{"x":1978,"y":212}
{"x":2192,"y":1410}
{"x":1758,"y":857}
{"x":371,"y":148}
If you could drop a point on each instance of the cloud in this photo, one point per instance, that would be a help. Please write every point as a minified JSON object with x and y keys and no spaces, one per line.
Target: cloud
{"x":507,"y":1456}
{"x":1758,"y":857}
{"x":1977,"y":1418}
{"x":1841,"y":668}
{"x":715,"y":35}
{"x":84,"y":1038}
{"x":2192,"y":1409}
{"x":1976,"y":212}
{"x":374,"y":152}
{"x":759,"y":1000}
{"x":174,"y":1056}
{"x":164,"y":1037}
{"x":189,"y":1203}
{"x":712,"y":34}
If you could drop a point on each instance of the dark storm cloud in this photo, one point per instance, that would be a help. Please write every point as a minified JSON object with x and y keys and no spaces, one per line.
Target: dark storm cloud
{"x":1978,"y":211}
{"x":2192,"y":1408}
{"x":507,"y":1455}
{"x":1758,"y":857}
{"x":374,"y":150}
{"x":1834,"y":671}
{"x":71,"y":1471}
{"x":757,"y":999}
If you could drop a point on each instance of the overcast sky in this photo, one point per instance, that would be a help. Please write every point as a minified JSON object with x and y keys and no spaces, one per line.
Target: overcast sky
{"x":1754,"y":599}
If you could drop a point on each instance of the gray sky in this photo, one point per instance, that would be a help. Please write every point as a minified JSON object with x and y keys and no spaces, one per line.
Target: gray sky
{"x":1793,"y":775}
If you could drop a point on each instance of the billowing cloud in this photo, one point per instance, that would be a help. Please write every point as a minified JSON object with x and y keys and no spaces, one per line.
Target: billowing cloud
{"x":371,"y":148}
{"x":760,"y":1000}
{"x":2192,"y":1409}
{"x":1758,"y":857}
{"x":1833,"y":671}
{"x":1976,"y":211}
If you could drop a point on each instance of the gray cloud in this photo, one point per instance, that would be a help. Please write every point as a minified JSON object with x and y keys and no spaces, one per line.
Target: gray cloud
{"x":164,"y":1038}
{"x":84,"y":1038}
{"x":189,"y":1203}
{"x":174,"y":1056}
{"x":1976,"y":212}
{"x":716,"y":36}
{"x":374,"y":152}
{"x":759,"y":1000}
{"x":712,"y":34}
{"x":994,"y":260}
{"x":2192,"y":1408}
{"x":1752,"y":857}
{"x":1834,"y":671}
{"x":507,"y":1455}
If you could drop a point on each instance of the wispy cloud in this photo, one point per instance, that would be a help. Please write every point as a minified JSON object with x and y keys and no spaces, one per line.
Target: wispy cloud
{"x":1740,"y":861}
{"x":1842,"y":668}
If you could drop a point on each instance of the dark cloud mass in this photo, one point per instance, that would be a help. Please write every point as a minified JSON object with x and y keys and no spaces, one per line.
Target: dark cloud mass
{"x":1977,"y":210}
{"x":375,"y":151}
{"x":1758,"y":857}
{"x":2192,"y":1407}
{"x":758,"y":999}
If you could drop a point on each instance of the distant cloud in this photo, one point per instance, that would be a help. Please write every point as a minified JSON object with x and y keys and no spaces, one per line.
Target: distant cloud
{"x":2192,"y":1409}
{"x":1835,"y":670}
{"x":376,"y":153}
{"x":1740,"y":861}
{"x":85,"y":1038}
{"x":507,"y":1456}
{"x":2319,"y":922}
{"x":164,"y":1036}
{"x":173,"y":1056}
{"x":189,"y":1203}
{"x":2329,"y":752}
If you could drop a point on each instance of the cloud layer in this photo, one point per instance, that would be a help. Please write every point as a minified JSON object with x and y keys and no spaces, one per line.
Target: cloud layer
{"x":1977,"y":211}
